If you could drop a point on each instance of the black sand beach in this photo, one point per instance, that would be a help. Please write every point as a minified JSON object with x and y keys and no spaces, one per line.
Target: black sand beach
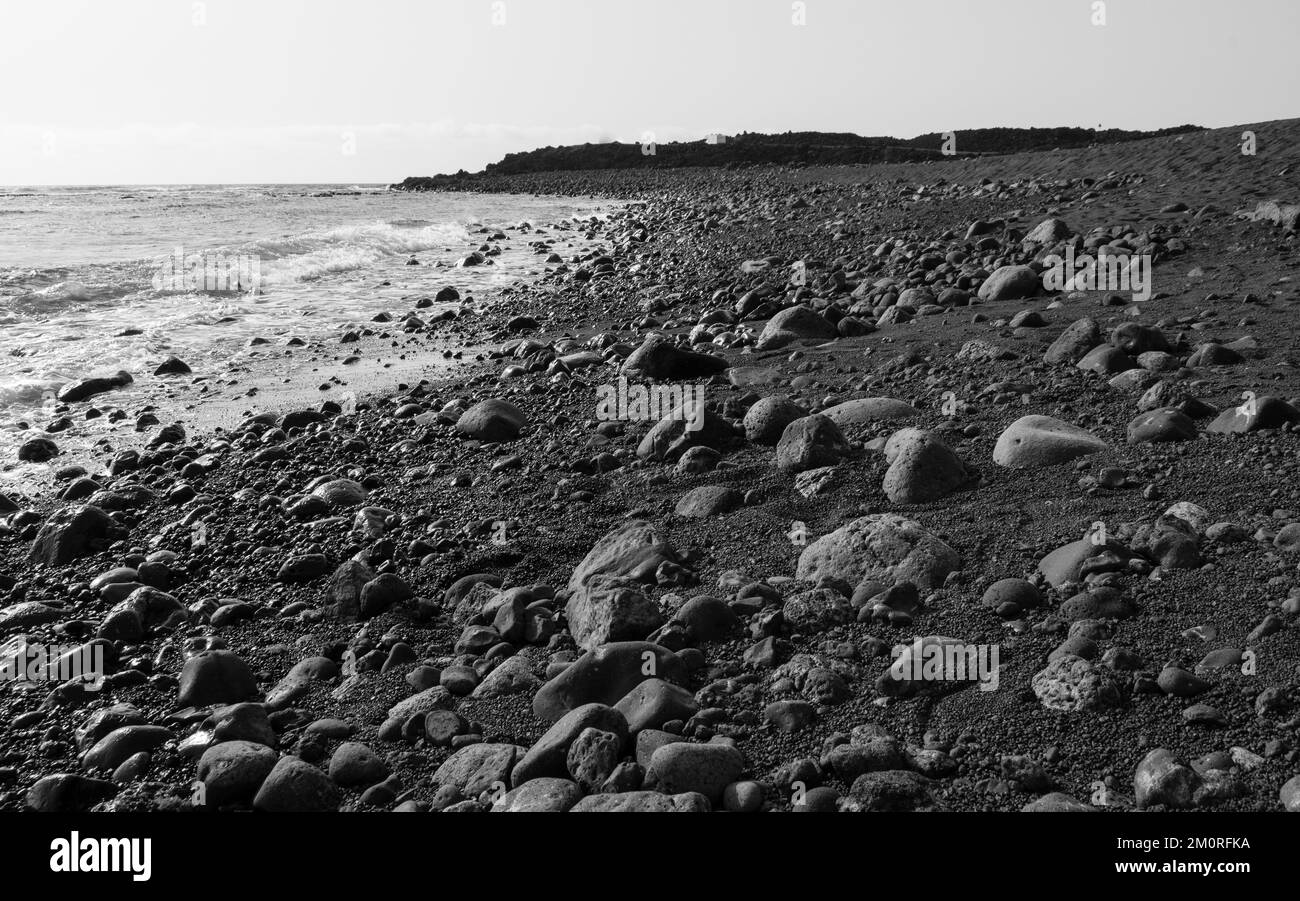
{"x":471,"y":593}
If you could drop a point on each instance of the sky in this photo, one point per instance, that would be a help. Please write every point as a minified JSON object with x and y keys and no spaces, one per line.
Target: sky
{"x":371,"y":91}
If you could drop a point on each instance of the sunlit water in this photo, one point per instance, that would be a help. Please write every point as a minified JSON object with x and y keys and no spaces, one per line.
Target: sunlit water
{"x":87,"y":284}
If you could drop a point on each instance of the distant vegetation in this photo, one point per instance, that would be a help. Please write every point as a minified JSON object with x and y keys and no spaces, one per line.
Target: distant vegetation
{"x":806,"y":148}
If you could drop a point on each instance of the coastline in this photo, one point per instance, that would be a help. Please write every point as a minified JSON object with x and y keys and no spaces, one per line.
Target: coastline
{"x":779,"y":668}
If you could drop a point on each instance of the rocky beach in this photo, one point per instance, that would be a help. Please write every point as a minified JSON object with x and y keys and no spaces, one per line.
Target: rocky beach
{"x":876,"y":521}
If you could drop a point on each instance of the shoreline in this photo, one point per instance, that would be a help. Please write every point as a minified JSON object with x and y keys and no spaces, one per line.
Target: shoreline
{"x":742,"y":560}
{"x":385,"y":350}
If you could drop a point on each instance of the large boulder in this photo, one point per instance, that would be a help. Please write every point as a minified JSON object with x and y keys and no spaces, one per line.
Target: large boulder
{"x":604,"y":675}
{"x":1035,"y":441}
{"x":492,"y":420}
{"x":634,"y":550}
{"x":86,"y":388}
{"x":1069,"y":684}
{"x":1161,"y":426}
{"x":295,"y":786}
{"x":659,"y":358}
{"x":343,"y":593}
{"x":810,"y":443}
{"x":673,"y":435}
{"x":1162,"y":779}
{"x":708,"y":500}
{"x":1010,"y":283}
{"x":705,"y":768}
{"x":867,"y":410}
{"x":766,"y":420}
{"x":883,"y":547}
{"x":71,"y":533}
{"x":475,"y":769}
{"x":548,"y":754}
{"x":795,"y":323}
{"x":922,"y":468}
{"x":1107,"y":360}
{"x":1074,"y":343}
{"x":605,"y":610}
{"x":1049,"y":231}
{"x":1256,"y":413}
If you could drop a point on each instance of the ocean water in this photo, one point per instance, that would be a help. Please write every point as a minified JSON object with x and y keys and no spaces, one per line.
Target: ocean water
{"x":98,"y":279}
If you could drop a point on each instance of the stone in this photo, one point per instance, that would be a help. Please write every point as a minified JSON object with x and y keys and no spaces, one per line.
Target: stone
{"x":545,"y":795}
{"x":869,"y":410}
{"x":26,"y":614}
{"x":642,"y":802}
{"x":610,"y":609}
{"x":1214,"y":355}
{"x":215,"y":677}
{"x":1106,"y":360}
{"x":343,"y":591}
{"x":704,"y":768}
{"x":658,"y":358}
{"x":1049,"y":231}
{"x":767,"y":419}
{"x":37,"y":450}
{"x":1036,"y":441}
{"x":340,"y":493}
{"x":708,"y":500}
{"x":421,"y":704}
{"x":1010,"y":283}
{"x":1014,"y":595}
{"x":173,"y":366}
{"x":604,"y":675}
{"x":1161,"y":426}
{"x":69,"y":793}
{"x":1097,"y":603}
{"x":70,"y":533}
{"x":882,"y":547}
{"x":355,"y":764}
{"x":475,"y":769}
{"x":549,"y":754}
{"x":675,"y":434}
{"x":511,"y":677}
{"x":706,"y":618}
{"x":1176,"y":681}
{"x":811,"y":612}
{"x":923,"y":468}
{"x":1161,"y":779}
{"x":1056,"y":802}
{"x":86,"y":388}
{"x":1134,"y":339}
{"x":233,"y":771}
{"x":592,"y":758}
{"x":492,"y":420}
{"x":295,"y":786}
{"x":114,"y":748}
{"x":1073,"y":344}
{"x":1069,"y":684}
{"x":890,"y":790}
{"x":302,"y":568}
{"x":1255,"y":414}
{"x":654,"y":702}
{"x":1289,"y":795}
{"x":634,"y":550}
{"x":792,"y":324}
{"x":809,"y":443}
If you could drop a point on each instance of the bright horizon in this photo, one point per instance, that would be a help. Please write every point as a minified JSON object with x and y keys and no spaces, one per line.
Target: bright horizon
{"x":161,"y":92}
